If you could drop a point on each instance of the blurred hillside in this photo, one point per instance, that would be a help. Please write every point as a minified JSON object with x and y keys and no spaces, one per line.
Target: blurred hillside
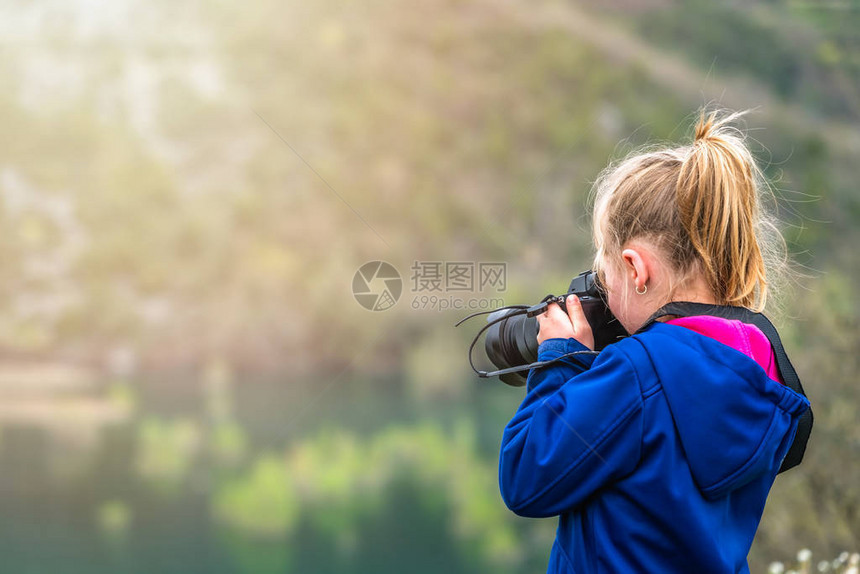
{"x":207,"y":180}
{"x":196,"y":183}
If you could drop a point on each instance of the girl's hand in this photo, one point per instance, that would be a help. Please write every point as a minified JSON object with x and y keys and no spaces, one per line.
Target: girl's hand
{"x":555,"y":324}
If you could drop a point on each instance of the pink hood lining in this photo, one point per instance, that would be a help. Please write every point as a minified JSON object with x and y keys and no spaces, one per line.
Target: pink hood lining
{"x":743,"y":337}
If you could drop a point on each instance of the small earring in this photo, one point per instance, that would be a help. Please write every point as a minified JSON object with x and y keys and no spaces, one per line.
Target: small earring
{"x":643,"y":291}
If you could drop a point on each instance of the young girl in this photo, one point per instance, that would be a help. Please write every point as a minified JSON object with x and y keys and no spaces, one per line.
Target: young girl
{"x":658,"y":454}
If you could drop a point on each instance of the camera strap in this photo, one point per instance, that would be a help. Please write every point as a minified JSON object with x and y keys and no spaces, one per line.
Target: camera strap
{"x":786,"y":369}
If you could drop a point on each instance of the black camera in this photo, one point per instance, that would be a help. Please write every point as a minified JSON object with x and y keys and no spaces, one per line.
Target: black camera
{"x":512,"y":331}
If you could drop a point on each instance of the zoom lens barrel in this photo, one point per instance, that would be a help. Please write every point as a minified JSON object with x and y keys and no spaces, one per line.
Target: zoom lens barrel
{"x":513,"y":341}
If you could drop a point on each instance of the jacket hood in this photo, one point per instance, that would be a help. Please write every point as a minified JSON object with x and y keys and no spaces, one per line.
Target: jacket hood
{"x":733,"y":421}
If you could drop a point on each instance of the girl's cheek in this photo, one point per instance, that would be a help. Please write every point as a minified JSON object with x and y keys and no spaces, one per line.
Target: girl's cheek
{"x":612,"y":303}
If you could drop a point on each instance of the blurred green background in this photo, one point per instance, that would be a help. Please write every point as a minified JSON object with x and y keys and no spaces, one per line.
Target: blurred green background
{"x":188,"y":188}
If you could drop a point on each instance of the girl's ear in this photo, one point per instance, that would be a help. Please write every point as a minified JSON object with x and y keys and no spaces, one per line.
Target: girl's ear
{"x":637,"y":266}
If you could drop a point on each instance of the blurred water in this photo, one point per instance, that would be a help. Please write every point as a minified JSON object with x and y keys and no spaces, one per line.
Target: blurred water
{"x":368,"y":482}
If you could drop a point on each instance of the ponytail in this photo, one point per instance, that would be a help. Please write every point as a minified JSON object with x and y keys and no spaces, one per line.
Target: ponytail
{"x":718,"y":206}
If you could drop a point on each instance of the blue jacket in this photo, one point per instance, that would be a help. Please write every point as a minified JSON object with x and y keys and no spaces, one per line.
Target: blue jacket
{"x":657,"y":455}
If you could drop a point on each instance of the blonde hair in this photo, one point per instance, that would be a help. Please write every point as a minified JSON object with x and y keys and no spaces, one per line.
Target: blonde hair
{"x":701,"y":205}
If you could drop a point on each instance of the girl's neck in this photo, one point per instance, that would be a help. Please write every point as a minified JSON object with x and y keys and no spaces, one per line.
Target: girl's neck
{"x":695,"y":290}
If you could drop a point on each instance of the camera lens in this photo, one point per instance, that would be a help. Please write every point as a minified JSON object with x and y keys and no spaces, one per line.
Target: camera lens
{"x":511,"y":342}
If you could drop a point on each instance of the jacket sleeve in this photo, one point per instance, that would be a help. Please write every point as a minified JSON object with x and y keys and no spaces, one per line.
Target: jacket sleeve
{"x":577,"y":430}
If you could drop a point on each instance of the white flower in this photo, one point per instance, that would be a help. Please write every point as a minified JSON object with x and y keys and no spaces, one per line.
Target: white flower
{"x":804,"y":555}
{"x":776,"y":568}
{"x":823,"y":566}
